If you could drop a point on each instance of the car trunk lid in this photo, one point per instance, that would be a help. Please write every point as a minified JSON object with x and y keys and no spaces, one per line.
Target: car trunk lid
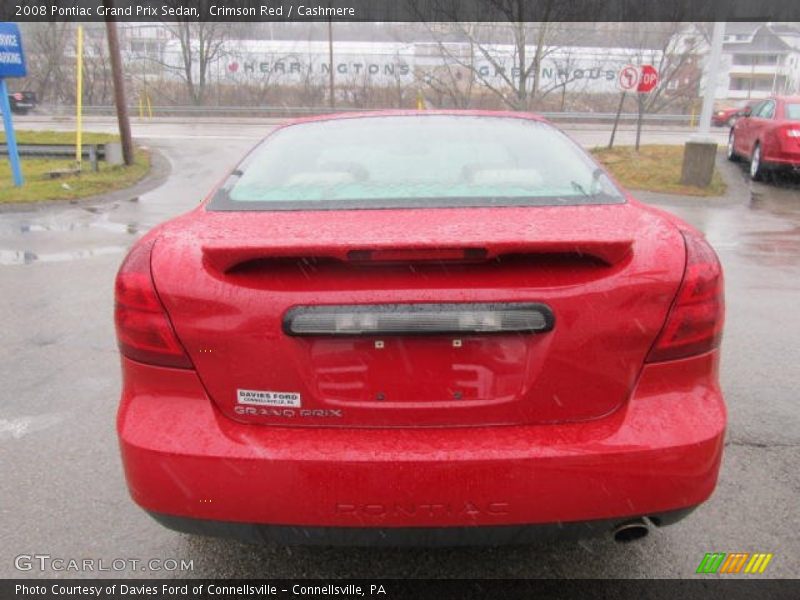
{"x":605,"y":274}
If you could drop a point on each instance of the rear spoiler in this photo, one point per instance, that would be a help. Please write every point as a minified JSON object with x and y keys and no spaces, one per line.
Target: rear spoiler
{"x":225,"y":257}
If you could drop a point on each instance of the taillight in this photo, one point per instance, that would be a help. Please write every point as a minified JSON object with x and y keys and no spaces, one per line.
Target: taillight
{"x":694,"y":323}
{"x":144,"y":332}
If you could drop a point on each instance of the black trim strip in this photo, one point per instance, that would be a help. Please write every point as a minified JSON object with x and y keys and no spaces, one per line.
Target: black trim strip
{"x":221,"y":202}
{"x":407,"y":536}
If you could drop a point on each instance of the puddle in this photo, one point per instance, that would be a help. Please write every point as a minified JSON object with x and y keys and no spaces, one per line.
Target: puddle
{"x":17,"y":257}
{"x":104,"y":224}
{"x":26,"y":257}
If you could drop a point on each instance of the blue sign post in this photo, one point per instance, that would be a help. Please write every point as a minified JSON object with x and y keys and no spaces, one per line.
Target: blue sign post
{"x":12,"y":64}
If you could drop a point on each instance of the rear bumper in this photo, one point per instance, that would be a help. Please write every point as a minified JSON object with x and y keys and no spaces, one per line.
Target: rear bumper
{"x":185,"y":461}
{"x":784,"y":159}
{"x":489,"y":535}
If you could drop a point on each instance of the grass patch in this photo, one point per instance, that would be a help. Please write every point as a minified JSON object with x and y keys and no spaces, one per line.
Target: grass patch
{"x":654,"y":169}
{"x":60,"y":137}
{"x":39,"y":186}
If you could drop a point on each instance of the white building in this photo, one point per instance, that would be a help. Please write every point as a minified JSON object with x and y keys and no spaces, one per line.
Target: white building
{"x":292,"y":62}
{"x":758,"y":60}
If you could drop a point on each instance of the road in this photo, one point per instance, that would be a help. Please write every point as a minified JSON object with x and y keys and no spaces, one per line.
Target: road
{"x":253,"y":129}
{"x":63,"y":492}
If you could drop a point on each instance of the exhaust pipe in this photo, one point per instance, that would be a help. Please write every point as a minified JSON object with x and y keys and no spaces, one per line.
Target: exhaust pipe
{"x":630,"y":531}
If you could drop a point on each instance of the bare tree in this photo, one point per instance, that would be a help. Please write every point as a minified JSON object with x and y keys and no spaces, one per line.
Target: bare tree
{"x":566,"y":73}
{"x":399,"y":84}
{"x":200,"y":44}
{"x":450,"y":81}
{"x":259,"y":78}
{"x":679,"y":66}
{"x":97,"y":85}
{"x":677,"y":60}
{"x":51,"y":56}
{"x":508,"y":55}
{"x":314,"y":85}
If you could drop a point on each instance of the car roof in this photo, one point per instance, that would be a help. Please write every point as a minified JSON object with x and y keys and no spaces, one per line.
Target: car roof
{"x":408,"y":113}
{"x":791,"y":99}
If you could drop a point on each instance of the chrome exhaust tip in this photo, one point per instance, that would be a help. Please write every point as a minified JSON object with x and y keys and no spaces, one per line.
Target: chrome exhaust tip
{"x":630,"y":531}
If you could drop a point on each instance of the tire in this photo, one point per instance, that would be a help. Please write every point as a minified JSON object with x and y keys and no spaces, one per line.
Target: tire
{"x":731,"y":122}
{"x":756,"y":164}
{"x":730,"y":152}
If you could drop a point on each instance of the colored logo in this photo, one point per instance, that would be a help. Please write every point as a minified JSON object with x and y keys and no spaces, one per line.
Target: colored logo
{"x":735,"y":562}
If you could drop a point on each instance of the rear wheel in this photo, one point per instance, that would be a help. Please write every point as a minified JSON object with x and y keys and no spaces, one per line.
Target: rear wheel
{"x":731,"y":149}
{"x":732,"y":121}
{"x":756,"y":166}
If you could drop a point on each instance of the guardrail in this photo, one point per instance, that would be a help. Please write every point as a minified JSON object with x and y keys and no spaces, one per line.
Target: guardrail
{"x":292,"y":111}
{"x":92,"y":152}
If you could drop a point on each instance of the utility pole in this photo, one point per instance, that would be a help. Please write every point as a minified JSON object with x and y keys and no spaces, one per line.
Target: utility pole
{"x":79,"y":98}
{"x":119,"y":87}
{"x":331,"y":98}
{"x":699,"y":154}
{"x":712,"y":71}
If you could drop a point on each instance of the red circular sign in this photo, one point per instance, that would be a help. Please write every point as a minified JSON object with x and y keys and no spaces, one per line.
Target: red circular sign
{"x":628,"y":77}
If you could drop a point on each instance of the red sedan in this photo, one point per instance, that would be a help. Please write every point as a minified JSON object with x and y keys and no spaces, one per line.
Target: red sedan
{"x":420,"y":328}
{"x":768,"y":136}
{"x":726,"y":117}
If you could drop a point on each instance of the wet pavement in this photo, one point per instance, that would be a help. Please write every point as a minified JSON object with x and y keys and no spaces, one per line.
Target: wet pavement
{"x":63,"y":492}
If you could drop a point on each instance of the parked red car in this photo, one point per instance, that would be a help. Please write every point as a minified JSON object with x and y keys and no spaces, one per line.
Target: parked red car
{"x":726,"y":117}
{"x":768,"y":136}
{"x":420,"y":328}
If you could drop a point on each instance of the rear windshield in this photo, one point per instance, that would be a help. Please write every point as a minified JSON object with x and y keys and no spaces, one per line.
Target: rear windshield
{"x":793,"y":111}
{"x":413,"y":161}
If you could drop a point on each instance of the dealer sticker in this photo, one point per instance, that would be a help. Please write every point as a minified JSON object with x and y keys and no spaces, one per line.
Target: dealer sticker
{"x":266,"y":398}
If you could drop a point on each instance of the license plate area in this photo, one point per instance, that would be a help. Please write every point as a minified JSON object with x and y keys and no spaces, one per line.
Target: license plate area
{"x":397,"y":372}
